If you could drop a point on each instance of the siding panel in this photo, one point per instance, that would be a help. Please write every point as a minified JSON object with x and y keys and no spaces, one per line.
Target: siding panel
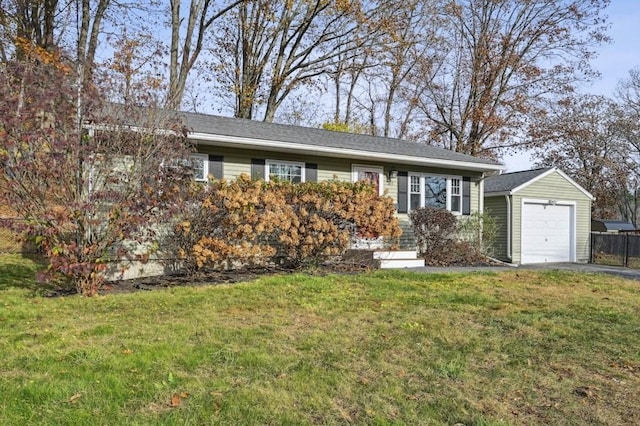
{"x":496,"y":207}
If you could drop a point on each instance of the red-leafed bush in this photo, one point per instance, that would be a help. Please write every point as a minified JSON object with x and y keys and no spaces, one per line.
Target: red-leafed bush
{"x":443,"y":239}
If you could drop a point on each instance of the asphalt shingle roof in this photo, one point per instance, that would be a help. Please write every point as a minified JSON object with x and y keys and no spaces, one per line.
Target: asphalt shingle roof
{"x":210,"y":124}
{"x":509,"y":181}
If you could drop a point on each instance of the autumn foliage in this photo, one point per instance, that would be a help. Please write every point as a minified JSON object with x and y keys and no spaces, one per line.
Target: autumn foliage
{"x":243,"y":222}
{"x":86,"y":195}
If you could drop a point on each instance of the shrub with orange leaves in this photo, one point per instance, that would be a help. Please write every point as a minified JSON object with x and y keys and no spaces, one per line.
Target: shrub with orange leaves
{"x":254,"y":222}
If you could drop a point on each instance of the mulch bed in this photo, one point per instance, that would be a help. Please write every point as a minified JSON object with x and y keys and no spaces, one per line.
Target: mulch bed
{"x":212,"y":277}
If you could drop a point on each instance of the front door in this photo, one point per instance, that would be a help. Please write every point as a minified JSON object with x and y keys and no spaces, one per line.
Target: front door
{"x":372,"y":174}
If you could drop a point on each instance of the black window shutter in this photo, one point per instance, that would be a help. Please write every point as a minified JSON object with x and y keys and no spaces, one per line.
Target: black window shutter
{"x":216,"y":166}
{"x":403,"y":187}
{"x":257,"y":168}
{"x":310,"y":172}
{"x":466,"y":195}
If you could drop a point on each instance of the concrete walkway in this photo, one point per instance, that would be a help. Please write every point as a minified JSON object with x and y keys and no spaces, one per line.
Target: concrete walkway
{"x":633,"y":274}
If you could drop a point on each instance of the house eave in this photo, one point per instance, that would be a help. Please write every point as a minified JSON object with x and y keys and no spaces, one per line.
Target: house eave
{"x":299,"y":148}
{"x":498,"y":194}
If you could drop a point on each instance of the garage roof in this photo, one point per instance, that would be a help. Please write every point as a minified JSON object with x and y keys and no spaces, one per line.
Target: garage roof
{"x":510,"y":183}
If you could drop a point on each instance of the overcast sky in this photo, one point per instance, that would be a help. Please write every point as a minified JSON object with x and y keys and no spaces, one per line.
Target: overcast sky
{"x":613,"y":61}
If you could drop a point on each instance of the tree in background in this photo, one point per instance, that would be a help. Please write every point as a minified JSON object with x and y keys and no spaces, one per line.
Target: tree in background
{"x":581,"y":136}
{"x":628,"y":127}
{"x":185,"y":50}
{"x":32,"y":20}
{"x":394,"y":76}
{"x":267,"y":50}
{"x":468,"y":75}
{"x":498,"y":65}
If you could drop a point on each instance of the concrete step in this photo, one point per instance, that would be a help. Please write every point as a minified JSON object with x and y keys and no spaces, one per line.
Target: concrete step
{"x":392,"y":255}
{"x":401,"y":263}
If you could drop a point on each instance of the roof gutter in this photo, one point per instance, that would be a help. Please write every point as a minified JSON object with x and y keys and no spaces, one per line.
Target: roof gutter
{"x":300,"y":148}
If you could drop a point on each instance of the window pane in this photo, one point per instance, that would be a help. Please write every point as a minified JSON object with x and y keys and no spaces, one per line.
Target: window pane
{"x":455,"y":186}
{"x":415,"y":184}
{"x":414,"y":202}
{"x":455,"y":203}
{"x":274,"y":170}
{"x":435,"y":191}
{"x":197,"y":166}
{"x":286,"y":172}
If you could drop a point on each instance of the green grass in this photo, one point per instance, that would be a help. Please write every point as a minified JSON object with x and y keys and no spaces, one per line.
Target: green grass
{"x":518,"y":347}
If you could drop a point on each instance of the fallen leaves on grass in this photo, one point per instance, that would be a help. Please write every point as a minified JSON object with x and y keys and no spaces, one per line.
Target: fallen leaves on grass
{"x":177,"y":398}
{"x":74,"y":398}
{"x":586,"y":391}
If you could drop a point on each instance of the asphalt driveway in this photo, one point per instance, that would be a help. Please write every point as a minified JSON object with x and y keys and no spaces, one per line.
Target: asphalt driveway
{"x":633,"y":274}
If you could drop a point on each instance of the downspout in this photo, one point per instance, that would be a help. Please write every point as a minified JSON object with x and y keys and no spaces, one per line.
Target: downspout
{"x":481,"y":206}
{"x":508,"y":198}
{"x":481,"y":193}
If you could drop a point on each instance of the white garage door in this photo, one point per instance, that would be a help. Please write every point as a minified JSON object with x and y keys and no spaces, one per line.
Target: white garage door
{"x":546,"y":233}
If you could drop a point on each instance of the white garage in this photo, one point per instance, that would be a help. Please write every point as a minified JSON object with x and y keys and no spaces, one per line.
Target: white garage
{"x":543,"y":216}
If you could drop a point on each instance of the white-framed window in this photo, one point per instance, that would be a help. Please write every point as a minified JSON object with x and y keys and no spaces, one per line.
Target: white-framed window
{"x":415,"y":193}
{"x":289,"y":171}
{"x":200,"y":167}
{"x":443,"y":192}
{"x":455,"y":195}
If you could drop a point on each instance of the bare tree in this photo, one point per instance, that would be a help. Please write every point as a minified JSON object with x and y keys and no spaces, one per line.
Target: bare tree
{"x":278,"y":47}
{"x":184,"y":51}
{"x":407,"y":53}
{"x":499,"y":63}
{"x":628,"y":127}
{"x":90,"y":25}
{"x":344,"y":79}
{"x":581,"y":136}
{"x":628,"y":94}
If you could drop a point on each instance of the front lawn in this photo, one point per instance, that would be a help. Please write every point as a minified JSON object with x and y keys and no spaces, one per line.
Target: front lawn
{"x":518,"y":347}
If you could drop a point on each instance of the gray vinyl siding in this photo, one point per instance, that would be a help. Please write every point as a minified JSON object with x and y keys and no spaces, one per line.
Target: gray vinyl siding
{"x":554,"y":186}
{"x":496,"y":207}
